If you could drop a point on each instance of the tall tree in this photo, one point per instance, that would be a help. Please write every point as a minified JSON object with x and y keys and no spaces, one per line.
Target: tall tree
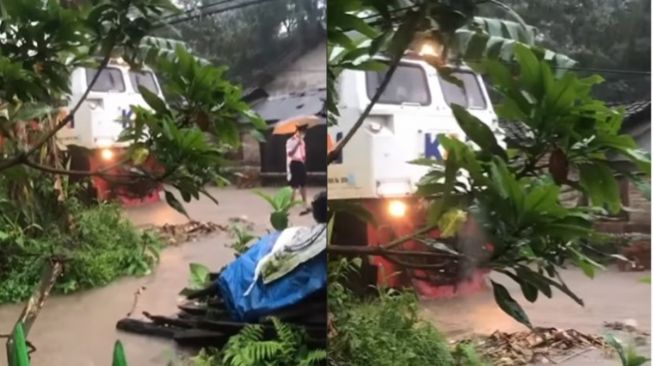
{"x":604,"y":34}
{"x":252,"y":41}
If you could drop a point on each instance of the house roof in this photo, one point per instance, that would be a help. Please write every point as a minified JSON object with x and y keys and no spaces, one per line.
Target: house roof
{"x":279,"y":108}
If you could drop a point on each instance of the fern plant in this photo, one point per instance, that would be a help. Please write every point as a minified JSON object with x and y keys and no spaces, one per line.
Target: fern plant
{"x":250,"y":348}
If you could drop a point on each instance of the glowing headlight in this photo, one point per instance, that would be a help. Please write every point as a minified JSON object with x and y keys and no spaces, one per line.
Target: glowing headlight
{"x":431,"y":49}
{"x":397,"y":208}
{"x":106,"y":154}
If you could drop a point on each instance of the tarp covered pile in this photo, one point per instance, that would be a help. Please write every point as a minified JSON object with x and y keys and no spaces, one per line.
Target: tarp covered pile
{"x":279,"y":271}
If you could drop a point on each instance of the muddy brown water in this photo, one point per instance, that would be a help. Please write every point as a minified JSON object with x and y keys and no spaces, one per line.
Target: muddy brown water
{"x":79,"y":329}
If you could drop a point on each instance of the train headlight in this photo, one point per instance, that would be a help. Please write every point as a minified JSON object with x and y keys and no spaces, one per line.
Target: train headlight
{"x":397,"y":208}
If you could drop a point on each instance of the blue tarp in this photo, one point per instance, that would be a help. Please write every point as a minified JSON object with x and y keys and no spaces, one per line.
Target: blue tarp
{"x":297,"y":285}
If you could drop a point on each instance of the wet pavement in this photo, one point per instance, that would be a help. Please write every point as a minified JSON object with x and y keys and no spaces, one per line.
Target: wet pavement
{"x":611,"y":296}
{"x":79,"y":329}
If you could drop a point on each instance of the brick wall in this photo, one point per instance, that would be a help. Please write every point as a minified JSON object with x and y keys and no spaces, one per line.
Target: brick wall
{"x":640,"y":204}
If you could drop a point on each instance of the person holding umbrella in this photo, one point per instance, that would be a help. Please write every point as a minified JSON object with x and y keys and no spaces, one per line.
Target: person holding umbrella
{"x":296,"y":152}
{"x":296,"y":167}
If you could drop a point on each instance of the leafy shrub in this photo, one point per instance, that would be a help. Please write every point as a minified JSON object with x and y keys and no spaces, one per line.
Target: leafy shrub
{"x":385,"y":330}
{"x":242,"y":239}
{"x":281,"y":203}
{"x":99,"y":246}
{"x":627,"y":354}
{"x":106,"y":246}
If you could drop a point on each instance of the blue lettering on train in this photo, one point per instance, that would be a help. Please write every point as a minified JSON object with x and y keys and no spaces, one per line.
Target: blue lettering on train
{"x":431,"y":147}
{"x":126,"y":118}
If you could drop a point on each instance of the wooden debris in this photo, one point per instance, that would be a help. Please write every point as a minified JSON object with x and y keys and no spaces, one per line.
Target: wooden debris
{"x":137,"y":294}
{"x":539,"y":345}
{"x":190,"y":231}
{"x":205,"y":322}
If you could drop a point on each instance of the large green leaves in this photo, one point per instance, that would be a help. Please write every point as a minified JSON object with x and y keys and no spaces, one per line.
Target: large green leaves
{"x":18,"y":355}
{"x":600,"y":184}
{"x":477,"y":131}
{"x":199,"y":276}
{"x":509,"y":305}
{"x":281,"y":203}
{"x":119,"y":358}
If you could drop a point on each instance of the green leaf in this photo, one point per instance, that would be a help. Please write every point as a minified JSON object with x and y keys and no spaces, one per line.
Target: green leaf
{"x":351,"y":22}
{"x":587,"y":267}
{"x":529,"y":290}
{"x":199,"y":276}
{"x":268,"y":198}
{"x":19,"y":354}
{"x":341,"y":39}
{"x":404,"y":35}
{"x":279,"y":220}
{"x":27,"y":112}
{"x":507,"y":185}
{"x":332,"y":221}
{"x":543,"y":198}
{"x":586,"y":264}
{"x":153,"y":100}
{"x":378,"y":43}
{"x":174,"y":203}
{"x":426,"y":162}
{"x":562,"y":96}
{"x":451,"y":222}
{"x":600,"y":184}
{"x":509,"y":305}
{"x":477,"y":131}
{"x":370,"y":65}
{"x":119,"y":358}
{"x":283,"y":199}
{"x":529,"y":67}
{"x":536,"y":279}
{"x":641,"y":158}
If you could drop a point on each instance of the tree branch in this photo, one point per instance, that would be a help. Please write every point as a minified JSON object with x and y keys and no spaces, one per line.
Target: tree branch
{"x":80,"y":173}
{"x":381,"y":251}
{"x":331,"y":157}
{"x":409,"y":237}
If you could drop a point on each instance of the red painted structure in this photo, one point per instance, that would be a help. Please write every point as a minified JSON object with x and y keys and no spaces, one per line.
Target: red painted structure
{"x":127,"y":194}
{"x":392,"y":275}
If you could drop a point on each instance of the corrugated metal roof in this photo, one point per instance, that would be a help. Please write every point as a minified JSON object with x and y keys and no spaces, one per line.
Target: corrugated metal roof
{"x":308,"y":102}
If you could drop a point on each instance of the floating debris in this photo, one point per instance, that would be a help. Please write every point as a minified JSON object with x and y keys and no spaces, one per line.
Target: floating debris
{"x":541,"y":345}
{"x":190,"y":231}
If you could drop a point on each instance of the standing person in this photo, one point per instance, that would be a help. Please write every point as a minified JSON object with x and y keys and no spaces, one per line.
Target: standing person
{"x":296,"y":158}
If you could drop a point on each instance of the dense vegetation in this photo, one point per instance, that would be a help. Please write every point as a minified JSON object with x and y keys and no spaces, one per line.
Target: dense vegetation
{"x":42,"y":43}
{"x":100,"y":246}
{"x":273,"y":31}
{"x":384,"y":330}
{"x":613,"y":35}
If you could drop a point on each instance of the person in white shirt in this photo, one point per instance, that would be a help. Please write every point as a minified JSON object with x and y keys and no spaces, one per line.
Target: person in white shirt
{"x":296,"y":165}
